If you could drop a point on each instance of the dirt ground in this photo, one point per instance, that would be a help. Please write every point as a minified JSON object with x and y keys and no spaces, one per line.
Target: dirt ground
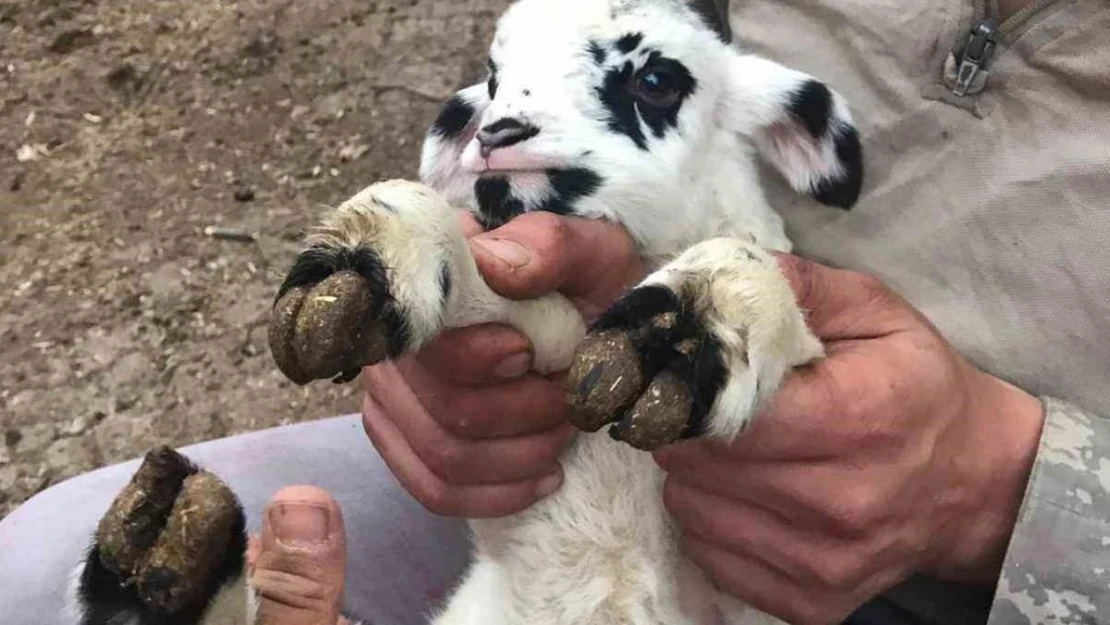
{"x":128,"y":127}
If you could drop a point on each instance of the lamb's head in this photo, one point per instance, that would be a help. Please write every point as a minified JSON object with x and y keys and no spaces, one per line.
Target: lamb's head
{"x":640,"y":111}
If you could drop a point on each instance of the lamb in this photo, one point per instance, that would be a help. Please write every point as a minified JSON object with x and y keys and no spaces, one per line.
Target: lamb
{"x":641,"y":112}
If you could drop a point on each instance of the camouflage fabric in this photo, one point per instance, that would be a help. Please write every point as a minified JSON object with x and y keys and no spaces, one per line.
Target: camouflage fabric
{"x":1058,"y":566}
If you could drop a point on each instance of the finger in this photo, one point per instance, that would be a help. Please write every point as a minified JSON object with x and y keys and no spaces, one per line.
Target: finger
{"x":537,"y":253}
{"x":459,"y":460}
{"x":485,"y":501}
{"x":492,"y":353}
{"x":529,"y":405}
{"x":299,"y":569}
{"x":759,"y":585}
{"x":843,"y":305}
{"x":805,"y":554}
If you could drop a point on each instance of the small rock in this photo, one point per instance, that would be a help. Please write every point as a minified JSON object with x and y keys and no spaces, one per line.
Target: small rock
{"x":71,"y":40}
{"x":17,"y":182}
{"x":76,"y":427}
{"x":244,"y":194}
{"x":28,"y":152}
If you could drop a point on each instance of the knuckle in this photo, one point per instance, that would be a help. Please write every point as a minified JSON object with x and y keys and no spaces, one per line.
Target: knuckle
{"x":837,"y":572}
{"x":855,"y":512}
{"x":437,"y":498}
{"x":447,"y":459}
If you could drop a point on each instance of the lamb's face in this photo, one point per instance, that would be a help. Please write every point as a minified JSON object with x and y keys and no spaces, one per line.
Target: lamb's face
{"x":617,"y":109}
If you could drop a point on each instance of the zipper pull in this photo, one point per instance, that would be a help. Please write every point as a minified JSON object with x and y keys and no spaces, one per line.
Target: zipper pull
{"x":976,"y":54}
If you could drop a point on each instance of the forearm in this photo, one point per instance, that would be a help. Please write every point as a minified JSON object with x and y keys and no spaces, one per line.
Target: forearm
{"x":1057,"y":565}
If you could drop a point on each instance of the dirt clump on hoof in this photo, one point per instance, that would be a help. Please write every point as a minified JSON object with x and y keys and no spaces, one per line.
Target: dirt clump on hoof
{"x":328,"y":330}
{"x":167,"y":531}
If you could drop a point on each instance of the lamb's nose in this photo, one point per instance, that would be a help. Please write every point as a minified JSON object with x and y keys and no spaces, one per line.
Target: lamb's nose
{"x":503,"y":133}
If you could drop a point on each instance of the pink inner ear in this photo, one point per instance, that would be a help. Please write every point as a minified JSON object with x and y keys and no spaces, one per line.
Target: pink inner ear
{"x":797,"y":154}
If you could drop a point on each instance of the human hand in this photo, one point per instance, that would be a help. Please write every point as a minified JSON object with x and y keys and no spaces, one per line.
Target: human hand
{"x":891,"y":456}
{"x":464,"y":425}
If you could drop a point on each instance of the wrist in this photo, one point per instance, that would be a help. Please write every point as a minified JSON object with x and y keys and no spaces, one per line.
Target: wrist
{"x":1005,"y":426}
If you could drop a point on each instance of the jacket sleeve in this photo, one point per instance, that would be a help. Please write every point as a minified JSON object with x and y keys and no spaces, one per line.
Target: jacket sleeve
{"x":1057,"y":567}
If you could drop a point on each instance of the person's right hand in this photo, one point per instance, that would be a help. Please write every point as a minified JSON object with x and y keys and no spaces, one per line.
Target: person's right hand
{"x":464,"y":425}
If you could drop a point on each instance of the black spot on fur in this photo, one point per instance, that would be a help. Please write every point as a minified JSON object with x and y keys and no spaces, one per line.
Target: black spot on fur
{"x":453,"y":118}
{"x":654,"y":317}
{"x":629,"y":42}
{"x":597,"y":52}
{"x":705,"y":374}
{"x":496,"y":204}
{"x":568,"y":186}
{"x":715,"y":14}
{"x":812,"y":105}
{"x":493,"y":81}
{"x":614,"y":95}
{"x":445,"y":283}
{"x":843,"y":192}
{"x":317,"y":263}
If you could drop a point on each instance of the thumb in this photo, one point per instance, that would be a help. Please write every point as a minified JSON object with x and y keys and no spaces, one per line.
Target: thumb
{"x":589,"y":260}
{"x":298,"y":568}
{"x":843,"y":305}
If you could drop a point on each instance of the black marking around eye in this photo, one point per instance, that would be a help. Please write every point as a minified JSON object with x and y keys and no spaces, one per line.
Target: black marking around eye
{"x":614,"y":95}
{"x":493,"y":82}
{"x":453,"y":118}
{"x":812,"y":105}
{"x":659,"y":120}
{"x":568,"y":186}
{"x":844,"y":191}
{"x":625,"y":114}
{"x":597,"y":52}
{"x":496,"y":203}
{"x":629,"y":42}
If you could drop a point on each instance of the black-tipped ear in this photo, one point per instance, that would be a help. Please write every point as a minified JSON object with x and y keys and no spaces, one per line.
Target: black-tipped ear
{"x":800,"y":126}
{"x":715,"y":13}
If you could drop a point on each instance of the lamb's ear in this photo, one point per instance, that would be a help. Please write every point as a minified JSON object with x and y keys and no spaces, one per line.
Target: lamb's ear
{"x":799,"y":125}
{"x":448,"y":136}
{"x":715,"y":14}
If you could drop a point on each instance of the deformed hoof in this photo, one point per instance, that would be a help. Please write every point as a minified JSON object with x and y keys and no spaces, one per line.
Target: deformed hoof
{"x":327,"y":330}
{"x":169,"y":531}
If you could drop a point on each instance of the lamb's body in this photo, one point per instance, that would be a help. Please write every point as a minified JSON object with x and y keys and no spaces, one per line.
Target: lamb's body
{"x":628,"y":110}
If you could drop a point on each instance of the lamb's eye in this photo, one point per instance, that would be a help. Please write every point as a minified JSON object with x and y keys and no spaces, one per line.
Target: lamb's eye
{"x":657,"y":88}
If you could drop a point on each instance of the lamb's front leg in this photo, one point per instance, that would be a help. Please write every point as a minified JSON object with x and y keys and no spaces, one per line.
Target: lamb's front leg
{"x":383,"y":275}
{"x":692,"y":350}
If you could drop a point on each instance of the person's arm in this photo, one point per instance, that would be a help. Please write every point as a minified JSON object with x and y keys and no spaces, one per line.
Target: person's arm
{"x":1057,"y":567}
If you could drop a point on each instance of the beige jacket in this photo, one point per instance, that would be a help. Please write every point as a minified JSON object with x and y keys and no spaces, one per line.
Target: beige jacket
{"x":990,"y":212}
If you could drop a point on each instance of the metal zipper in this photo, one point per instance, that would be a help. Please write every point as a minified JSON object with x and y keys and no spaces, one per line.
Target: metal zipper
{"x":983,"y":40}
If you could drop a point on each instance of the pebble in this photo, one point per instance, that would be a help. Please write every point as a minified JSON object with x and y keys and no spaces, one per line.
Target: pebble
{"x":244,"y":194}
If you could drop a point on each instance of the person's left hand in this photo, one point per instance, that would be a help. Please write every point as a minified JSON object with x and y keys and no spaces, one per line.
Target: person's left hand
{"x":890,"y":456}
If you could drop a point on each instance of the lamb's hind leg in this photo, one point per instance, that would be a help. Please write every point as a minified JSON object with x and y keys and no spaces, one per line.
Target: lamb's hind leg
{"x":479,"y":600}
{"x":693,"y":350}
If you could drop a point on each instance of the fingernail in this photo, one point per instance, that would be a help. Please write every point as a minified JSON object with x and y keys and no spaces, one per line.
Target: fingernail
{"x":299,"y":524}
{"x":549,"y":485}
{"x":512,"y":253}
{"x":514,"y":366}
